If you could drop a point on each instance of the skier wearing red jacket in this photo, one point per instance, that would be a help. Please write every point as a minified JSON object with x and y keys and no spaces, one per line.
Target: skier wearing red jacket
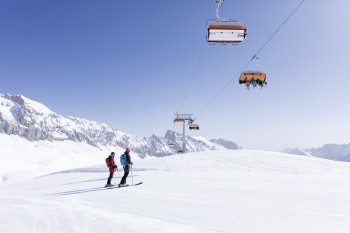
{"x":112,"y":167}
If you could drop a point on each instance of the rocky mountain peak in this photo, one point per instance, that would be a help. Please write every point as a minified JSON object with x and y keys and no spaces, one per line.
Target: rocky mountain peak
{"x":34,"y":121}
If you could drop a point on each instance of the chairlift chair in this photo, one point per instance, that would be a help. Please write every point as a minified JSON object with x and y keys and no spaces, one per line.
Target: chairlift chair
{"x":179,"y":120}
{"x":194,"y":126}
{"x":249,"y":75}
{"x":225,"y":30}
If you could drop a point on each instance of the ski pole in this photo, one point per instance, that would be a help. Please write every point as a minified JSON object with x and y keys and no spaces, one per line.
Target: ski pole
{"x":132,"y":177}
{"x":114,"y":175}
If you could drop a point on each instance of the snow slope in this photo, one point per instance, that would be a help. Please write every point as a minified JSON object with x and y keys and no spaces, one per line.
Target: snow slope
{"x":22,"y":158}
{"x":215,"y":191}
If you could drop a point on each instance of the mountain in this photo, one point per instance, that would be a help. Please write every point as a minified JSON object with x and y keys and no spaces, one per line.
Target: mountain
{"x":297,"y":151}
{"x":333,"y":152}
{"x":225,"y":143}
{"x":196,"y":144}
{"x":327,"y":151}
{"x":34,"y":121}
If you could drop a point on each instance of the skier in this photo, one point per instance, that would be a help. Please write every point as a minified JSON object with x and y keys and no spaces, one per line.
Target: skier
{"x":247,"y":83}
{"x":125,"y":161}
{"x":112,"y":167}
{"x":262,"y":84}
{"x":253,"y":82}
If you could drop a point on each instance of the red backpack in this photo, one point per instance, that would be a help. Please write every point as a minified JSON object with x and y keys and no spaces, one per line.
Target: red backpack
{"x":108,"y":161}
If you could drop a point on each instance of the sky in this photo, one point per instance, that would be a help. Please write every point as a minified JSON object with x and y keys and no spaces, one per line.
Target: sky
{"x":130,"y":63}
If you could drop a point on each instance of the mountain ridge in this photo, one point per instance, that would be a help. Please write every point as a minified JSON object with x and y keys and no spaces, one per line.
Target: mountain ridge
{"x":34,"y":121}
{"x":338,"y":152}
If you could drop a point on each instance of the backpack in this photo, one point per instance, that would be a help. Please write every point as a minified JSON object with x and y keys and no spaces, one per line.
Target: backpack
{"x":108,"y":162}
{"x":123,"y":160}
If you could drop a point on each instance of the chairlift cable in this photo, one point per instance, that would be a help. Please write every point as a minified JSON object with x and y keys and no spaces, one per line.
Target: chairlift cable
{"x":254,"y":57}
{"x":219,"y":93}
{"x":192,"y":78}
{"x":277,"y":30}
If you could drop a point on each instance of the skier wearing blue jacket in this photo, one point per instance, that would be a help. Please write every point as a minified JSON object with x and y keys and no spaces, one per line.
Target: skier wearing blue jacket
{"x":125,"y":161}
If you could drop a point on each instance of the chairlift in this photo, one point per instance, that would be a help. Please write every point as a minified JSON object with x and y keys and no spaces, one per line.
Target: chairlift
{"x":251,"y":76}
{"x":171,"y":144}
{"x":254,"y":77}
{"x":224,"y":30}
{"x":179,"y":120}
{"x":194,"y":126}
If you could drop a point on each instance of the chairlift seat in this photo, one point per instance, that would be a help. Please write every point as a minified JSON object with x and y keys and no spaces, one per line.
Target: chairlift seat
{"x":249,"y":75}
{"x":179,"y":120}
{"x":194,"y":126}
{"x":226,"y":33}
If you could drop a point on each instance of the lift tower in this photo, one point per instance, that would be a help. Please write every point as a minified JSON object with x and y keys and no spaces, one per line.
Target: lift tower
{"x":183,"y":118}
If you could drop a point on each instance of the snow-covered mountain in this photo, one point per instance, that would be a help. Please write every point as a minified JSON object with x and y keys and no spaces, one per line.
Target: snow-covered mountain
{"x":196,"y":144}
{"x":297,"y":151}
{"x":34,"y":121}
{"x":328,"y":151}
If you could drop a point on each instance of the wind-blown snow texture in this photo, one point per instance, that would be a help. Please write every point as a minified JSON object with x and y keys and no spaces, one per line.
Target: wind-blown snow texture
{"x":32,"y":120}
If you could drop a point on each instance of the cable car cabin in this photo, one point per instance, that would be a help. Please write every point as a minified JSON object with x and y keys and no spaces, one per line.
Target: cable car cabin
{"x":226,"y":33}
{"x":179,"y":120}
{"x":194,"y":126}
{"x":180,"y":151}
{"x":250,"y":76}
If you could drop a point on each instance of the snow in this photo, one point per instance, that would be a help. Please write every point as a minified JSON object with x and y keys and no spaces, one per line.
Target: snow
{"x":243,"y":191}
{"x":22,"y":158}
{"x":37,"y":106}
{"x":6,"y":108}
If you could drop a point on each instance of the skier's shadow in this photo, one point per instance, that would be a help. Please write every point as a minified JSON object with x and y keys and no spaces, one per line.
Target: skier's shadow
{"x":86,"y":181}
{"x":87,"y":190}
{"x":76,"y":191}
{"x":81,"y":190}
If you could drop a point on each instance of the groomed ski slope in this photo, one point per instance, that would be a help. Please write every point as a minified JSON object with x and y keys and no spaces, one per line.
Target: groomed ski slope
{"x":217,"y":191}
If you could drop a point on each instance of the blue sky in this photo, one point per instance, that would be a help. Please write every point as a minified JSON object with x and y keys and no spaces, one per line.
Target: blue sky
{"x":129,"y":63}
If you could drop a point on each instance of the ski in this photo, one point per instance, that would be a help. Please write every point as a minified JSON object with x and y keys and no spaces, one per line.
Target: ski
{"x":117,"y":186}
